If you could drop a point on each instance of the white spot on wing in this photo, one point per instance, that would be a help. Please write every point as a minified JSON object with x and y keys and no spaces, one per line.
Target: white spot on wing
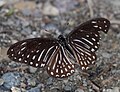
{"x":72,"y":71}
{"x":95,"y":26}
{"x":93,"y":57}
{"x":57,"y":75}
{"x":55,"y":62}
{"x":57,"y":70}
{"x":85,"y":63}
{"x":98,"y":43}
{"x":89,"y":58}
{"x":104,"y":21}
{"x":87,"y":41}
{"x":88,"y":62}
{"x":28,"y":56}
{"x":100,"y":27}
{"x":37,"y":51}
{"x":94,"y":22}
{"x":52,"y":73}
{"x":40,"y":55}
{"x":61,"y":71}
{"x":22,"y":55}
{"x":87,"y":68}
{"x":96,"y":35}
{"x":47,"y":53}
{"x":31,"y":63}
{"x":82,"y":54}
{"x":66,"y":69}
{"x":69,"y":67}
{"x":34,"y":57}
{"x":68,"y":74}
{"x":96,"y":47}
{"x":19,"y":52}
{"x":83,"y":68}
{"x":11,"y":50}
{"x":42,"y":65}
{"x":81,"y":62}
{"x":92,"y":50}
{"x":93,"y":39}
{"x":23,"y":48}
{"x":87,"y":35}
{"x":72,"y":66}
{"x":93,"y":62}
{"x":48,"y":68}
{"x":36,"y":64}
{"x":77,"y":40}
{"x":105,"y":25}
{"x":23,"y":43}
{"x":59,"y":61}
{"x":19,"y":59}
{"x":63,"y":75}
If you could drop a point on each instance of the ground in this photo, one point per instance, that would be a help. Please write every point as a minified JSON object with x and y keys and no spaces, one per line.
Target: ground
{"x":23,"y":19}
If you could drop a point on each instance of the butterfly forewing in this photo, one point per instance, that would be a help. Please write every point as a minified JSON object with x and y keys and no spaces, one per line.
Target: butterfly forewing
{"x":34,"y":52}
{"x":84,"y":40}
{"x":60,"y":65}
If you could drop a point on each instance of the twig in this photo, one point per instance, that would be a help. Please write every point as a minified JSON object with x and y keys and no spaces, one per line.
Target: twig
{"x":90,"y":4}
{"x":115,"y":21}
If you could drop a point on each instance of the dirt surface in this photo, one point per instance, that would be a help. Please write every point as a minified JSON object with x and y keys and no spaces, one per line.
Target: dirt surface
{"x":23,"y":19}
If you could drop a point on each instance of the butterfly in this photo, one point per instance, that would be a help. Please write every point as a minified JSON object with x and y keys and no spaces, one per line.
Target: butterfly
{"x":54,"y":54}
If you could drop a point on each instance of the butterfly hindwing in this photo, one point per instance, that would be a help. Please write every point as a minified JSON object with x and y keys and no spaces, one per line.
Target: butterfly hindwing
{"x":60,"y":65}
{"x":34,"y":52}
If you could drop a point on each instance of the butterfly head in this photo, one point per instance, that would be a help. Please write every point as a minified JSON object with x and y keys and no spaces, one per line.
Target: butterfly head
{"x":61,"y":39}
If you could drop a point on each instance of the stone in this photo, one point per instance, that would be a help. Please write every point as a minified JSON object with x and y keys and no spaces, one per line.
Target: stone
{"x":11,"y":79}
{"x":49,"y":9}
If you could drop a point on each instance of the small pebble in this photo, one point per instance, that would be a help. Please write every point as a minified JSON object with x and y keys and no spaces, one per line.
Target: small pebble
{"x":106,"y":55}
{"x":2,"y":2}
{"x":66,"y":5}
{"x":36,"y":89}
{"x":79,"y":90}
{"x":31,"y":82}
{"x":15,"y":89}
{"x":67,"y":88}
{"x":49,"y":9}
{"x":1,"y":82}
{"x":32,"y":69}
{"x":118,"y":35}
{"x":26,"y":12}
{"x":25,"y":24}
{"x":114,"y":89}
{"x":26,"y":31}
{"x":49,"y":81}
{"x":84,"y":83}
{"x":11,"y":79}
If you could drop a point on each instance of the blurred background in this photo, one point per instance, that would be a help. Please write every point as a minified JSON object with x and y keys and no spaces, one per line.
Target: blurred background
{"x":23,"y":19}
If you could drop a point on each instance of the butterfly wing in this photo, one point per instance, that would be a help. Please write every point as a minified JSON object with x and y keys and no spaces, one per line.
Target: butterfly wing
{"x":60,"y":65}
{"x":34,"y":52}
{"x":84,"y":40}
{"x":40,"y":52}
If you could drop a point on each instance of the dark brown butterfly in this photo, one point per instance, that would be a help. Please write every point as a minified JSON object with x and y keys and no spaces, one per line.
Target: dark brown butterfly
{"x":81,"y":43}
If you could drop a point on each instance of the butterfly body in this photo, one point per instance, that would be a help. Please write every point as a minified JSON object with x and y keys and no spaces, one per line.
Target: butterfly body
{"x":54,"y":54}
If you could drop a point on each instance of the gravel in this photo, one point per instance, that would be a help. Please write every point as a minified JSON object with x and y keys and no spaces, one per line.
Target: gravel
{"x":25,"y":19}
